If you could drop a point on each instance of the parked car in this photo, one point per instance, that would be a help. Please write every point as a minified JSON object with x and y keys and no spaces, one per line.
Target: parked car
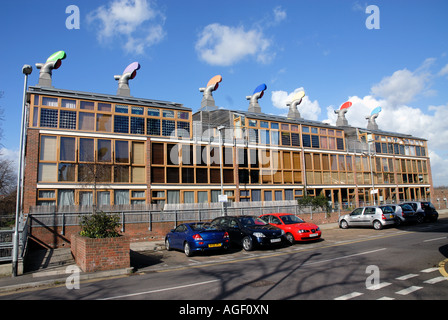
{"x":249,"y":231}
{"x":376,"y":216}
{"x":425,"y":210}
{"x":196,"y":236}
{"x":295,"y":228}
{"x":403,"y":213}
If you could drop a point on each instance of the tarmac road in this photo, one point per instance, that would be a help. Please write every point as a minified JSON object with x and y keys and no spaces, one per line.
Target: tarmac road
{"x":393,"y":263}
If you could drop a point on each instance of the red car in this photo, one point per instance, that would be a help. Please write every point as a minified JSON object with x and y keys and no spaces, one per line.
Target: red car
{"x":295,"y":228}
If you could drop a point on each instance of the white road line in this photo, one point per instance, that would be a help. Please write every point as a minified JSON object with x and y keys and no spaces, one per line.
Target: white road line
{"x":161,"y":290}
{"x":344,"y":257}
{"x":386,"y":298}
{"x":435,"y":239}
{"x":435,"y":280}
{"x":408,"y":290}
{"x":379,"y":286}
{"x":429,"y":270}
{"x":349,"y":296}
{"x":407,"y":276}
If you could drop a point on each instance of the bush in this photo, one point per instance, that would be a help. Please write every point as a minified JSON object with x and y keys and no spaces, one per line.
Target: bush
{"x":100,"y":225}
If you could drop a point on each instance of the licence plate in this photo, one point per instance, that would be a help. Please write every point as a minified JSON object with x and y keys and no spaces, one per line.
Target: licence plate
{"x":214,"y":245}
{"x":276,"y":240}
{"x":314,"y":235}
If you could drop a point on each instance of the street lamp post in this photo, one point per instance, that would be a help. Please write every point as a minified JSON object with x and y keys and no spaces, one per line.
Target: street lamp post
{"x":26,"y":70}
{"x":220,"y":128}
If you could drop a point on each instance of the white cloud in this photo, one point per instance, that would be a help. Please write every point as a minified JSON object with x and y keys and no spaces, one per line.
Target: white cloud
{"x":134,"y":22}
{"x":279,"y":14}
{"x":223,"y":45}
{"x":308,"y":109}
{"x":444,"y":71}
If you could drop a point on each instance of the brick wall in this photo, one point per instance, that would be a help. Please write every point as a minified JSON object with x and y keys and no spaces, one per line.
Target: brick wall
{"x":100,"y":254}
{"x":31,"y":167}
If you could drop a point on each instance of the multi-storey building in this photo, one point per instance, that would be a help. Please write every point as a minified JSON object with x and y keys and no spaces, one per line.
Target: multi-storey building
{"x":84,"y":148}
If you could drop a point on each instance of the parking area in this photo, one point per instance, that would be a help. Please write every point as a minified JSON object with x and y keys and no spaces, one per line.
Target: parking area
{"x":160,"y":260}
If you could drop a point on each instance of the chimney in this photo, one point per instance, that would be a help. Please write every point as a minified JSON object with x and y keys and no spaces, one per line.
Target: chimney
{"x":257,"y":94}
{"x":372,"y":125}
{"x":342,"y":121}
{"x":296,"y":100}
{"x":208,"y":102}
{"x":123,"y":81}
{"x":53,"y":63}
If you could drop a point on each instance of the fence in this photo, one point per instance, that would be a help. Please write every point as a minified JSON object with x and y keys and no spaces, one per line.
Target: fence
{"x":6,"y":241}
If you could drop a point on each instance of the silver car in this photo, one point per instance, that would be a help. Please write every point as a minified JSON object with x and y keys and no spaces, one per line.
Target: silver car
{"x":376,"y":216}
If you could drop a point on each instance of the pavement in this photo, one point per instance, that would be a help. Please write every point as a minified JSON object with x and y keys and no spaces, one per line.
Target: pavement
{"x":46,"y":268}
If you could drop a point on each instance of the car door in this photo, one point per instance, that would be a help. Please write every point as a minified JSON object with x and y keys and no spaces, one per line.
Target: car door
{"x":178,"y":236}
{"x":367,"y":217}
{"x":233,"y":228}
{"x":354,"y":218}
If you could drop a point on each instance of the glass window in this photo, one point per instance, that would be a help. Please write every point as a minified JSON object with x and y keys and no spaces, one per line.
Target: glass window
{"x":153,"y":127}
{"x":153,"y":112}
{"x":137,"y":125}
{"x":121,"y":197}
{"x":286,"y":139}
{"x":121,"y":109}
{"x":183,"y":129}
{"x":121,"y":124}
{"x":274,"y":125}
{"x":104,"y":150}
{"x":305,"y":129}
{"x":157,"y":151}
{"x":121,"y":174}
{"x":103,"y":198}
{"x":66,"y":172}
{"x":172,"y":196}
{"x":340,"y":143}
{"x":313,"y":130}
{"x":252,"y":123}
{"x":188,"y":196}
{"x":85,"y":198}
{"x":86,"y":121}
{"x":315,"y":141}
{"x":138,"y":175}
{"x":51,"y":102}
{"x":137,"y":110}
{"x":157,"y":175}
{"x":86,"y":149}
{"x":168,"y":127}
{"x":87,"y":105}
{"x":104,"y":107}
{"x":264,"y":137}
{"x":48,"y":148}
{"x":121,"y":151}
{"x":36,"y":99}
{"x":66,"y":103}
{"x":182,"y":115}
{"x":202,"y":196}
{"x":138,"y":153}
{"x":104,"y":122}
{"x":47,"y":172}
{"x":67,"y":119}
{"x":306,"y":140}
{"x":66,"y":197}
{"x":295,"y":139}
{"x":168,"y":114}
{"x":67,"y":149}
{"x":49,"y":118}
{"x":264,"y":124}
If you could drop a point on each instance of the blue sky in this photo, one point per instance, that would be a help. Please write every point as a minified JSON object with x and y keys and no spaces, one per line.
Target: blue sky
{"x":322,"y":47}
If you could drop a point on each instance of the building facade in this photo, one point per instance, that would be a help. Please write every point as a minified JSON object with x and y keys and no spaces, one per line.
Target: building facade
{"x":85,"y":148}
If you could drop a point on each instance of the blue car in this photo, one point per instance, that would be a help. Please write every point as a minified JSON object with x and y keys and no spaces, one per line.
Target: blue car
{"x":196,"y":236}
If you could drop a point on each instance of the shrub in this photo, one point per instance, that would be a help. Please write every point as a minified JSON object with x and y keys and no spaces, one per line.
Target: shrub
{"x":100,"y":225}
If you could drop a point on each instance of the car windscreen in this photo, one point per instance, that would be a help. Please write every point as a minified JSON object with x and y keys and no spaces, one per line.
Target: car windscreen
{"x":202,"y":227}
{"x":291,"y":219}
{"x":251,"y":221}
{"x":387,"y":209}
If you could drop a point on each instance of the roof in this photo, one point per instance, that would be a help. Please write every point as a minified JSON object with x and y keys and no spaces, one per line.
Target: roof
{"x":106,"y":97}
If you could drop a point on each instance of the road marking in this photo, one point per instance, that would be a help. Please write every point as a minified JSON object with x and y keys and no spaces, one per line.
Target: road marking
{"x":343,"y":257}
{"x":161,"y":290}
{"x":407,"y":276}
{"x":349,"y":296}
{"x":435,"y":239}
{"x":379,"y":286}
{"x":435,"y":280}
{"x":386,"y":298}
{"x":429,"y":270}
{"x":408,"y":290}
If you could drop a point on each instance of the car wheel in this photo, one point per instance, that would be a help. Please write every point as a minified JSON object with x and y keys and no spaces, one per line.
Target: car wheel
{"x":377,"y":225}
{"x":398,"y":222}
{"x":248,"y":243}
{"x":343,"y":224}
{"x":167,"y":244}
{"x":187,"y":249}
{"x":290,"y":238}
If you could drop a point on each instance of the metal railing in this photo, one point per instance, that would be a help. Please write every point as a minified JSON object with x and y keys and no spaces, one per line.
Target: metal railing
{"x":6,"y":242}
